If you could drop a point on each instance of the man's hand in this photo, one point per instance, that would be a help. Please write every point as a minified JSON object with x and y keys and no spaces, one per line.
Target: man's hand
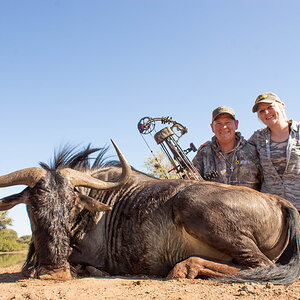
{"x":203,"y":145}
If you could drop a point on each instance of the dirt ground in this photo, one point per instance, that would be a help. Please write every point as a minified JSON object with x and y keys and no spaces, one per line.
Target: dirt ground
{"x":14,"y":286}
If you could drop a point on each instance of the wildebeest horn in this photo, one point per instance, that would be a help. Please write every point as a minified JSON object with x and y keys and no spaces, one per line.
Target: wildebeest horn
{"x":77,"y":178}
{"x":29,"y":177}
{"x":9,"y":202}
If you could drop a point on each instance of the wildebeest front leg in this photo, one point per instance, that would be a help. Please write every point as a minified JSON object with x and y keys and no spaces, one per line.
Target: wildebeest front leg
{"x":196,"y":266}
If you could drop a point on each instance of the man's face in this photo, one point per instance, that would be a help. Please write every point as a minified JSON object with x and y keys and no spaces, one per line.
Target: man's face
{"x":224,"y":128}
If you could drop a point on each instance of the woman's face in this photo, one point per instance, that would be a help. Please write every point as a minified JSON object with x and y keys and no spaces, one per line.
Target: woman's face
{"x":271,"y":113}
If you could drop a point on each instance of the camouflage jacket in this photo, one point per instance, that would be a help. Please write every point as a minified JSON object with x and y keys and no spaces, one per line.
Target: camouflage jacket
{"x":287,"y":185}
{"x":240,"y":166}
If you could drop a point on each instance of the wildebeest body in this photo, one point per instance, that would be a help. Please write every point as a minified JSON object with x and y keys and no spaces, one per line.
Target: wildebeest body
{"x":155,"y":224}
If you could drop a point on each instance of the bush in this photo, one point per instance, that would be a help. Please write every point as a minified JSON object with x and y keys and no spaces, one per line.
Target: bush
{"x":160,"y":167}
{"x":9,"y":241}
{"x":25,"y":239}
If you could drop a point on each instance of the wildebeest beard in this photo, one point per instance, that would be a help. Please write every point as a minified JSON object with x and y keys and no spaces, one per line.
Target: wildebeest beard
{"x":51,"y":211}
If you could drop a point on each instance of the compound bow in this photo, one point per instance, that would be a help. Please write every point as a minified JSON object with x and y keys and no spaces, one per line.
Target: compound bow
{"x":168,"y":140}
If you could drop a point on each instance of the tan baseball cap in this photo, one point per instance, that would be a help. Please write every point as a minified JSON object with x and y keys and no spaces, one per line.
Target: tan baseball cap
{"x":265,"y":98}
{"x":223,"y":110}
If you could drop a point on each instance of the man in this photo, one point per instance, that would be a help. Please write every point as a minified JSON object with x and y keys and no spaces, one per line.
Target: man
{"x":228,"y":158}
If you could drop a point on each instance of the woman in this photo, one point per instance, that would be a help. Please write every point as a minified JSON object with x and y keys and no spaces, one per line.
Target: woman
{"x":278,"y":146}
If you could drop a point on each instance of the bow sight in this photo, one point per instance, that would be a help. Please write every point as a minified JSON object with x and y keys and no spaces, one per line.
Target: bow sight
{"x":167,"y":139}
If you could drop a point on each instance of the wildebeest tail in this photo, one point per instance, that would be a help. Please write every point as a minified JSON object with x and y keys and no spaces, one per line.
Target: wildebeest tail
{"x":287,"y":270}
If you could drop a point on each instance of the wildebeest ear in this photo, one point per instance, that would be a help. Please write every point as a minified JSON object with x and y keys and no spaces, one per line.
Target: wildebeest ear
{"x":91,"y":204}
{"x":9,"y":202}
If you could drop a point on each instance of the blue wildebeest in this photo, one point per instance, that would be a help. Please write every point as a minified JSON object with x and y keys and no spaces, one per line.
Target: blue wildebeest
{"x":112,"y":219}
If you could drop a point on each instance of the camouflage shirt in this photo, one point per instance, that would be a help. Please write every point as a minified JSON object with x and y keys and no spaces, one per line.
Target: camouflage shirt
{"x":278,"y":155}
{"x":286,"y":185}
{"x":240,"y":166}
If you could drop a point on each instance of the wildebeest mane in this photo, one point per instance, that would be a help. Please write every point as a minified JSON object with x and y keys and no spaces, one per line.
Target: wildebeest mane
{"x":69,"y":157}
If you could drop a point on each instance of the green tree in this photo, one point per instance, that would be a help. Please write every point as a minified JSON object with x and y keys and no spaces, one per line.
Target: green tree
{"x":4,"y":220}
{"x":8,"y":240}
{"x":25,"y":239}
{"x":159,"y":166}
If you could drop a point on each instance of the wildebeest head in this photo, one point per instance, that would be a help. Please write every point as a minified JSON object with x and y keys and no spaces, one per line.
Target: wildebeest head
{"x":51,"y":197}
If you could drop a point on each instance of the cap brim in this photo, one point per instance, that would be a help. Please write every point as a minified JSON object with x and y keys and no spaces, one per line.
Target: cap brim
{"x":255,"y":106}
{"x":224,"y":113}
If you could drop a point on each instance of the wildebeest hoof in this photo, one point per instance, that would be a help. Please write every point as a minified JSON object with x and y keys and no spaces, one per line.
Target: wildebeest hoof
{"x":62,"y":273}
{"x":96,"y":272}
{"x":196,"y":266}
{"x":28,"y":271}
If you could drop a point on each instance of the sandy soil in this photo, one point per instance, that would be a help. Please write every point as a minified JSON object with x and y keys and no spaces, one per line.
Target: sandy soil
{"x":14,"y":286}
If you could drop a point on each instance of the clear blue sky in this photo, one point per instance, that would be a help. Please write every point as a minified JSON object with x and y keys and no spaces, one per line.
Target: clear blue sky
{"x":81,"y":71}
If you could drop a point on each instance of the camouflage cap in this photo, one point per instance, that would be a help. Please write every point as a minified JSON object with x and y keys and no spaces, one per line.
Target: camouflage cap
{"x":265,"y":98}
{"x":223,"y":110}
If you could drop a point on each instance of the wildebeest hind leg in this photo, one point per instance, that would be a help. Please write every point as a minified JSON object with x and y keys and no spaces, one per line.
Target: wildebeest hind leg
{"x":215,"y":232}
{"x":237,"y":246}
{"x":196,"y":266}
